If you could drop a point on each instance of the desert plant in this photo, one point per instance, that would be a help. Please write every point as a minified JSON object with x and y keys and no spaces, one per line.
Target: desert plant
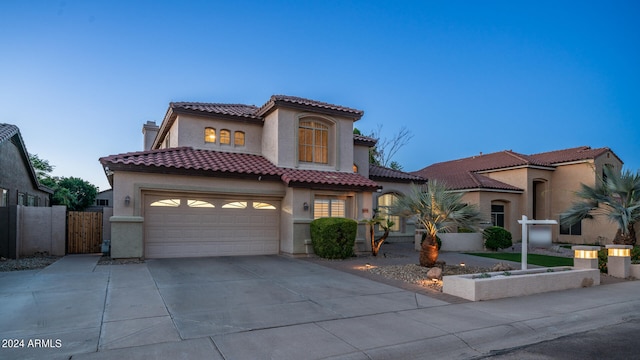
{"x":616,"y":197}
{"x":333,"y":238}
{"x":496,"y":237}
{"x":386,"y":225}
{"x":438,"y":210}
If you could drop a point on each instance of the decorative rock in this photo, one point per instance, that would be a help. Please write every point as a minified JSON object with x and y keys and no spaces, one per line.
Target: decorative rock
{"x":434,"y":273}
{"x":501,"y":267}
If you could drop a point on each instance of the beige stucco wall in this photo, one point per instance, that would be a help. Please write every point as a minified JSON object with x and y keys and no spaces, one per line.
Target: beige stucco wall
{"x":361,"y":159}
{"x":280,"y":139}
{"x":191,"y":133}
{"x":407,"y":230}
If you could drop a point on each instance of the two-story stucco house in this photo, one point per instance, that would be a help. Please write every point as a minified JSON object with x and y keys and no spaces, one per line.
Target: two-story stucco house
{"x":507,"y":185}
{"x":232,"y":179}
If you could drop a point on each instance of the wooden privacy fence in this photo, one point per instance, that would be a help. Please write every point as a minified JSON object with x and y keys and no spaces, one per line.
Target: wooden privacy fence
{"x":84,"y":232}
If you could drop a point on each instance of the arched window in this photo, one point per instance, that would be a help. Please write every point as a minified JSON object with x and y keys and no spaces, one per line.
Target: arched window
{"x":209,"y":135}
{"x":313,"y":142}
{"x":225,"y":137}
{"x":385,"y":202}
{"x":238,"y":138}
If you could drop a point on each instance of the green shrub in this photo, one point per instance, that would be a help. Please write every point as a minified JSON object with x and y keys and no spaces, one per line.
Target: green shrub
{"x":333,"y":238}
{"x":603,"y":257}
{"x":496,"y":237}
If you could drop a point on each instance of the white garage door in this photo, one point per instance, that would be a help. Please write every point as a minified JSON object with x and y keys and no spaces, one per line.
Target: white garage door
{"x":195,"y":226}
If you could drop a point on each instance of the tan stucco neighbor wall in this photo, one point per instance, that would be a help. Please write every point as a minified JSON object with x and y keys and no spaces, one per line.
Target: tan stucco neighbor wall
{"x":42,"y":229}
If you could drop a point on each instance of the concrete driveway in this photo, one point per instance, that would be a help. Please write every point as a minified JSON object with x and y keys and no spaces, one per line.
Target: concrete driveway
{"x":271,"y":307}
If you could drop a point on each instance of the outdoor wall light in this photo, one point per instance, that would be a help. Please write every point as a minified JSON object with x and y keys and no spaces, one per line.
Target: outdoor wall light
{"x":305,"y":206}
{"x":618,"y":251}
{"x":127,"y":200}
{"x":585,"y":254}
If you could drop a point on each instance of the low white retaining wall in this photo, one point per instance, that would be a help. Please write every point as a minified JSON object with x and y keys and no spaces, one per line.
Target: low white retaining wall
{"x":635,"y":271}
{"x":519,"y":283}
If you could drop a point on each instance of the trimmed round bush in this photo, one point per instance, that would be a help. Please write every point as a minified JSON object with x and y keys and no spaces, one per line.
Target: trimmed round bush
{"x":496,"y":237}
{"x":333,"y":238}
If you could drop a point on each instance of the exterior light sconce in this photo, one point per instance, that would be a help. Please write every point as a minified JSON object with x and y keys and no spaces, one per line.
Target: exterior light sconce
{"x":619,"y":260}
{"x":305,"y":206}
{"x":585,"y":257}
{"x":127,"y":200}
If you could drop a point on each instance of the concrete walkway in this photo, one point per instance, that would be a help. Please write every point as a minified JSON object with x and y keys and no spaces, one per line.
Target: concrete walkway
{"x":272,"y":307}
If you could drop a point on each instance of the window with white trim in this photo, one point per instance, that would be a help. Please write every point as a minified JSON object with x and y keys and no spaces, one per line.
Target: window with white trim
{"x":329,"y":207}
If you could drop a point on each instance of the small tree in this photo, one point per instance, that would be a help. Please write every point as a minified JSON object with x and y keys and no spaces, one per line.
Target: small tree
{"x":438,"y":210}
{"x":386,"y":226}
{"x":616,"y":197}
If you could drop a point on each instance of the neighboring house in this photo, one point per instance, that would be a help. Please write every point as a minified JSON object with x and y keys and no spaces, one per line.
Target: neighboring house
{"x":233,"y":179}
{"x":104,"y":199}
{"x":26,"y":221}
{"x":19,"y":184}
{"x":507,"y":185}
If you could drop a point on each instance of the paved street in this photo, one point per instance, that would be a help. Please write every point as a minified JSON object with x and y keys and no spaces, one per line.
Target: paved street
{"x":274,"y":307}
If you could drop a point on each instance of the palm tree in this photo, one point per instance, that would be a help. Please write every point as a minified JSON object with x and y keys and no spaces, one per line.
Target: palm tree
{"x":438,"y":210}
{"x":616,"y":197}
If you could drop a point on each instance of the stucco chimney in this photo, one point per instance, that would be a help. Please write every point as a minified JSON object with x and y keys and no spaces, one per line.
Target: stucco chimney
{"x":149,"y":131}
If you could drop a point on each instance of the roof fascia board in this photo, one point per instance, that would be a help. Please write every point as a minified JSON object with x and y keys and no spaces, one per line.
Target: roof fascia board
{"x":489,"y":190}
{"x":539,"y":167}
{"x":189,"y":172}
{"x":575,"y":162}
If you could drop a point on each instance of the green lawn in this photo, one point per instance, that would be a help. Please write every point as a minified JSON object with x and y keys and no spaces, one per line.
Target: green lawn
{"x":533,"y":259}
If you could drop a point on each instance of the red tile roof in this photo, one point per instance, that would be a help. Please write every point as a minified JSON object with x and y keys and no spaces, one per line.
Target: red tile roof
{"x":381,"y":173}
{"x":302,"y":103}
{"x":248,"y":111}
{"x":189,"y":160}
{"x":302,"y":178}
{"x":364,"y":140}
{"x":466,"y":173}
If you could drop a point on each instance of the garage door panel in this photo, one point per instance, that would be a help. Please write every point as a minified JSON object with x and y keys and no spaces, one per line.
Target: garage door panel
{"x":184,"y":231}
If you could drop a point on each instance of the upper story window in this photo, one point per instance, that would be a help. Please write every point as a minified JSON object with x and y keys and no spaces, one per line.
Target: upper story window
{"x":238,"y":138}
{"x":209,"y":135}
{"x":225,"y":137}
{"x":313,"y":141}
{"x":355,"y":168}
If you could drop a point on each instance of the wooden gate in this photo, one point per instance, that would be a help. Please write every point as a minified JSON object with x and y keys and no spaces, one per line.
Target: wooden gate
{"x":84,"y":232}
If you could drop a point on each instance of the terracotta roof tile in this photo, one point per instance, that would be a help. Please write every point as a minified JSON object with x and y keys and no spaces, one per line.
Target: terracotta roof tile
{"x":364,"y":140}
{"x":231,"y":164}
{"x":464,"y":173}
{"x":381,"y":173}
{"x":568,"y":155}
{"x":292,"y":177}
{"x":215,"y":108}
{"x":308,"y":103}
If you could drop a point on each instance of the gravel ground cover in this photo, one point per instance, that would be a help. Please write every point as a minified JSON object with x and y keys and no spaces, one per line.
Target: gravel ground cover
{"x":38,"y":261}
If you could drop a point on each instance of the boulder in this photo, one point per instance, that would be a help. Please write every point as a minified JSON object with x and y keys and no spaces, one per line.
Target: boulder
{"x":434,"y":273}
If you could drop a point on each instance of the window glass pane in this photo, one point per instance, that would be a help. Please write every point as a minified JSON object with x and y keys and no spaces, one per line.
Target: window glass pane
{"x":337,"y":208}
{"x":263,"y":206}
{"x":238,"y":138}
{"x":225,"y":137}
{"x":235,"y":205}
{"x":210,"y":135}
{"x":320,"y":208}
{"x":199,"y":204}
{"x":313,"y":138}
{"x":167,"y":203}
{"x":384,"y":203}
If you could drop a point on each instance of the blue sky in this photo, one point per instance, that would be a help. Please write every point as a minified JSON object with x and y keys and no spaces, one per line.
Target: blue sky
{"x":81,"y":77}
